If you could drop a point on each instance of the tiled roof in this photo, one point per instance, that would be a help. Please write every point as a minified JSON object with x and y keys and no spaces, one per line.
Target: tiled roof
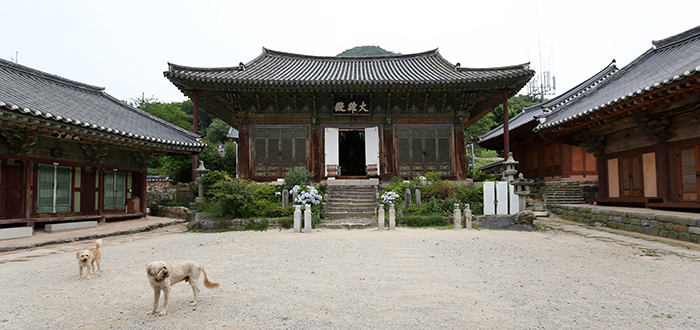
{"x":669,"y":60}
{"x":534,"y":112}
{"x":273,"y":67}
{"x":31,"y":92}
{"x":157,"y":178}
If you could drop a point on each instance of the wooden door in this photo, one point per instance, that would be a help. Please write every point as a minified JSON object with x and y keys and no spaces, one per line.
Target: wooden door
{"x":689,"y":160}
{"x":631,"y":176}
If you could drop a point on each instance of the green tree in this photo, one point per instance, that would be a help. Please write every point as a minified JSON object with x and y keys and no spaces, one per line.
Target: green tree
{"x":366,"y":51}
{"x":216,"y":132}
{"x":170,"y":112}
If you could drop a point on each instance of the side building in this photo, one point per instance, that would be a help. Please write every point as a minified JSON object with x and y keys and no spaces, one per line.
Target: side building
{"x":643,"y":125}
{"x":342,"y":117}
{"x":72,"y":152}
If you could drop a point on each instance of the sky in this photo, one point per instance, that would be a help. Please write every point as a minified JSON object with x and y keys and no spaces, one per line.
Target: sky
{"x":125,"y":46}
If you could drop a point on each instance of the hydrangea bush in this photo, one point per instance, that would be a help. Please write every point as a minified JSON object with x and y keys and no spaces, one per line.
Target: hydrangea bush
{"x":388,"y":197}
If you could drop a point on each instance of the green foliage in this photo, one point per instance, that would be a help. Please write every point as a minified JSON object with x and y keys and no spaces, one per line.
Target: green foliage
{"x":217,"y":131}
{"x":365,"y":51}
{"x":262,"y":226}
{"x":286,"y":222}
{"x":297,"y":176}
{"x":212,"y":177}
{"x":425,"y":220}
{"x":170,"y":112}
{"x":232,"y":197}
{"x":179,"y":168}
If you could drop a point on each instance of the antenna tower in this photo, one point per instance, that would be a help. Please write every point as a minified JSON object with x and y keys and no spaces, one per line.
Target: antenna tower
{"x":543,"y":84}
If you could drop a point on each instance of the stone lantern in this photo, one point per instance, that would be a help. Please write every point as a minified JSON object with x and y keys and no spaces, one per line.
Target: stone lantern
{"x":200,"y":198}
{"x":522,"y":189}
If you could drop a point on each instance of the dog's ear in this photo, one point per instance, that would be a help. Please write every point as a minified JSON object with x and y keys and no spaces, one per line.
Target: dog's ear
{"x":77,"y":254}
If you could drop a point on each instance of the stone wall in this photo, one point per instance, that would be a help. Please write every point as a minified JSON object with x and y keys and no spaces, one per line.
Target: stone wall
{"x":159,"y":190}
{"x":680,"y":228}
{"x":177,"y":212}
{"x":202,"y":223}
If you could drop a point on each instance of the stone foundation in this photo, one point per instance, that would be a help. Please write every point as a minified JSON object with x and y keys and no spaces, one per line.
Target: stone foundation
{"x":202,"y":223}
{"x":680,"y":228}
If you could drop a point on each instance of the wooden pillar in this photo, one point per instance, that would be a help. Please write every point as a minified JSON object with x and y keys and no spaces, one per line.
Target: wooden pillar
{"x":663,"y":170}
{"x":460,"y":171}
{"x":195,"y":129}
{"x":506,"y":131}
{"x":316,"y":153}
{"x":602,"y":165}
{"x":144,"y":193}
{"x":101,"y":194}
{"x":28,"y":202}
{"x":243,"y":169}
{"x":388,"y":164}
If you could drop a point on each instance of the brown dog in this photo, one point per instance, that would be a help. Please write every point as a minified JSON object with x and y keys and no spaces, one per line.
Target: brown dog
{"x":163,"y":276}
{"x":88,"y":258}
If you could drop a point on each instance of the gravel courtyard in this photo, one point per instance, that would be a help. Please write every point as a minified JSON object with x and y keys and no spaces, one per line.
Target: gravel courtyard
{"x":363,"y":279}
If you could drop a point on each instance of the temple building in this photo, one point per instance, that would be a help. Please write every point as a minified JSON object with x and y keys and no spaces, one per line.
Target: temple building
{"x":641,"y":123}
{"x":71,"y":152}
{"x":349,"y":117}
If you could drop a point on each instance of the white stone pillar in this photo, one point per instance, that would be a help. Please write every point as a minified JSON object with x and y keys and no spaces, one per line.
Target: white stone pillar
{"x":392,"y":217}
{"x":307,"y":218}
{"x":457,"y":217}
{"x":467,"y":217}
{"x":380,"y":217}
{"x":297,"y":218}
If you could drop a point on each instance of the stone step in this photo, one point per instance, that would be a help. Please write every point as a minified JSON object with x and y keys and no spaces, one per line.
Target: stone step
{"x":346,"y":215}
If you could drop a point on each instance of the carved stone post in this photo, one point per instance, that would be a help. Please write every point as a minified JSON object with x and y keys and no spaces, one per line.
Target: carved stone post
{"x":297,"y":218}
{"x":380,"y":217}
{"x":285,"y":198}
{"x":457,"y":217}
{"x":418,"y":199}
{"x":408,"y":198}
{"x":392,"y":217}
{"x":467,"y":217}
{"x":307,"y":218}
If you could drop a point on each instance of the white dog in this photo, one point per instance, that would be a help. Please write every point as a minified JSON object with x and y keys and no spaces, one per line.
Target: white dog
{"x":88,"y":258}
{"x":163,"y":276}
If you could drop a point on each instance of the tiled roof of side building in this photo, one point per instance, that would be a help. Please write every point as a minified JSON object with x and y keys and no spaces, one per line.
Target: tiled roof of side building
{"x":36,"y":93}
{"x":669,"y":60}
{"x":273,"y":67}
{"x":534,"y":112}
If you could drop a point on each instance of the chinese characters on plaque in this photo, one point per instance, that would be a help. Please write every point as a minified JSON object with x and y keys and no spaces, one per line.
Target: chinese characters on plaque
{"x":351,"y":107}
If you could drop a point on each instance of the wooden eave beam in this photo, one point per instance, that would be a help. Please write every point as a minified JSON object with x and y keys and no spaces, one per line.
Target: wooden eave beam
{"x":629,"y":107}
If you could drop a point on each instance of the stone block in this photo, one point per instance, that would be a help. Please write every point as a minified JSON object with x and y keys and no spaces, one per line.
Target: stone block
{"x":665,"y":218}
{"x":673,"y":234}
{"x":618,"y":213}
{"x":694,"y":238}
{"x":657,"y":224}
{"x":680,"y":229}
{"x":682,"y":221}
{"x":684,"y":237}
{"x":617,"y":219}
{"x":56,"y":227}
{"x":651,"y":231}
{"x":16,"y":232}
{"x":694,"y":230}
{"x":669,"y":226}
{"x":663,"y":233}
{"x":635,"y":221}
{"x":629,"y":227}
{"x":645,"y":223}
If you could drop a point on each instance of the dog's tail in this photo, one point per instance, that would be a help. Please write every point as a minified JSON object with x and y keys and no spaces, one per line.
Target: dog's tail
{"x":207,"y":283}
{"x":98,"y":244}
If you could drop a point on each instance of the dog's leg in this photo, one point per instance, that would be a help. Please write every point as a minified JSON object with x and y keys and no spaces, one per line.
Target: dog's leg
{"x":99,"y":268}
{"x":81,"y":272}
{"x":156,"y":297}
{"x":195,"y":291}
{"x":98,"y":265}
{"x":89,"y":268}
{"x":166,"y":295}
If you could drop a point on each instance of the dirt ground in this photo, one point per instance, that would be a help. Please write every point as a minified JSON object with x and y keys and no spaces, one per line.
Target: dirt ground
{"x":362,"y":279}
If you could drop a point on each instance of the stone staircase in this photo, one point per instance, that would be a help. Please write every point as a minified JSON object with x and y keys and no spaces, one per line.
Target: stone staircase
{"x":564,"y":192}
{"x":350,"y":201}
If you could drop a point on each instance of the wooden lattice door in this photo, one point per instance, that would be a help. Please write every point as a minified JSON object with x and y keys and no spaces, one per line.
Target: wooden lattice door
{"x":690,"y":173}
{"x":631,"y":176}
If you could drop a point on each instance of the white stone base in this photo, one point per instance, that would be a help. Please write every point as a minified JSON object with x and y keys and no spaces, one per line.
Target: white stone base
{"x":56,"y":227}
{"x":16,"y":232}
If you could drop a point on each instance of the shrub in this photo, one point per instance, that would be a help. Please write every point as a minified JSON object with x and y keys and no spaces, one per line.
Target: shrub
{"x":297,"y":176}
{"x":261,"y":226}
{"x":231,"y":197}
{"x":425,"y":220}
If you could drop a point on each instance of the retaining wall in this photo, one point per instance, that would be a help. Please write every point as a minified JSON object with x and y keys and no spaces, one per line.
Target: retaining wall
{"x":680,"y":228}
